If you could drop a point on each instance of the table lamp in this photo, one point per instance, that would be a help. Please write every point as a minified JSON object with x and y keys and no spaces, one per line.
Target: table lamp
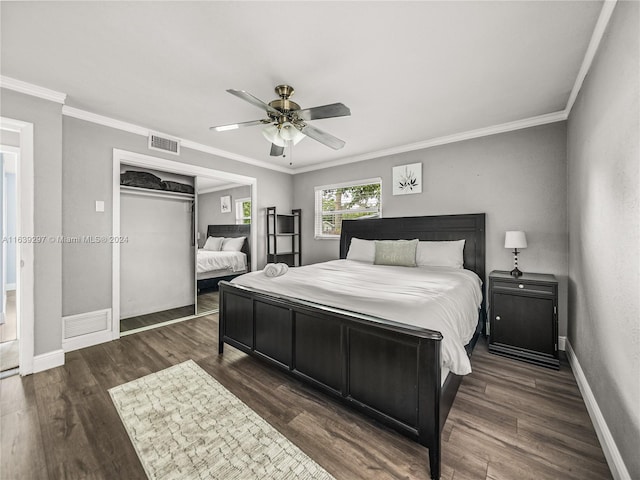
{"x":515,"y":240}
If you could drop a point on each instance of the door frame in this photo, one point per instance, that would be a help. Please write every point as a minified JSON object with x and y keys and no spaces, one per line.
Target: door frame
{"x":156,"y":163}
{"x":25,"y":252}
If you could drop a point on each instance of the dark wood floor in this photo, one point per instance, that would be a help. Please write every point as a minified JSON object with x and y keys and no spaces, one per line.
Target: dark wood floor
{"x":509,"y":421}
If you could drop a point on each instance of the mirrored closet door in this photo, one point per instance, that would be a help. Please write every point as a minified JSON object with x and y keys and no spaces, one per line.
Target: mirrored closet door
{"x":184,"y":234}
{"x":223,"y":212}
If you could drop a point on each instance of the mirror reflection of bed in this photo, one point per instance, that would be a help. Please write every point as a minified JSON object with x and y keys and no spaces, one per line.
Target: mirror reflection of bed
{"x":166,"y":229}
{"x":224,"y":228}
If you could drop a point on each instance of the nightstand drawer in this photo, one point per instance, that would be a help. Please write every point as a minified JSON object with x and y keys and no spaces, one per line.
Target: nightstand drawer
{"x":523,"y":287}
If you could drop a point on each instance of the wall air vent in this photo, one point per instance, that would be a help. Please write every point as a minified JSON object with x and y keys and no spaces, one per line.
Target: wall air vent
{"x":164,"y":144}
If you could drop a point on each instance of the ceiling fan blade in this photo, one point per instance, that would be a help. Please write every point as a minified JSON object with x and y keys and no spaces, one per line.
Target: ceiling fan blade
{"x":325,"y":111}
{"x":233,"y":126}
{"x":322,"y":136}
{"x":247,"y":97}
{"x":276,"y":151}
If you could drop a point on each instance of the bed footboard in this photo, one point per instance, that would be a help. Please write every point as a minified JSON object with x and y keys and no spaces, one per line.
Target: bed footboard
{"x":389,"y":371}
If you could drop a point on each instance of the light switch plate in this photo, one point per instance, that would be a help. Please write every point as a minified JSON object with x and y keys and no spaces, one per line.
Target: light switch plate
{"x":99,"y":206}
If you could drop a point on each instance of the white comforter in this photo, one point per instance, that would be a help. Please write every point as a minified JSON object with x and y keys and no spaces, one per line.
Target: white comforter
{"x":208,"y":260}
{"x":438,"y":298}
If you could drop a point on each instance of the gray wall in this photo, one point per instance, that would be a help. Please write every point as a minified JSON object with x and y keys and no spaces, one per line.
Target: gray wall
{"x":604,"y":269}
{"x":518,"y":179}
{"x":88,"y":158}
{"x":209,"y":209}
{"x":47,"y":120}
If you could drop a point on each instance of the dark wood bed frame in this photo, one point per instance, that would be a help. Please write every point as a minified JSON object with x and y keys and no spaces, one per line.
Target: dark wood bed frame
{"x":229,"y":231}
{"x":388,"y":370}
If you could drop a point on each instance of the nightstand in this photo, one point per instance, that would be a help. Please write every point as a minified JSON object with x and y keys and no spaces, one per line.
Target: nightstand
{"x":523,"y":317}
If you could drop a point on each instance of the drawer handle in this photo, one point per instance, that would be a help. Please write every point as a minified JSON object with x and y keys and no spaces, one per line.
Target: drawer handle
{"x":498,"y":317}
{"x":521,"y":286}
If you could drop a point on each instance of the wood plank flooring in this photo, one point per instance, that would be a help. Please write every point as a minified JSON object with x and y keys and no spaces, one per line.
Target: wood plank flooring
{"x":509,"y":421}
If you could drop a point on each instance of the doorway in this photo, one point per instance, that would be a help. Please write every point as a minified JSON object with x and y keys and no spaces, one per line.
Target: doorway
{"x":16,"y":286}
{"x":9,"y":344}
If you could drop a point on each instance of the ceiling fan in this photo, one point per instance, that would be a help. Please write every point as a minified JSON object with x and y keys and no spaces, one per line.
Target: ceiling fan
{"x":287,"y":122}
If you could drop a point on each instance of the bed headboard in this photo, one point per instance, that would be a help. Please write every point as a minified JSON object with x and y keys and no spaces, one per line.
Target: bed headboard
{"x":231,"y":231}
{"x":470,"y":227}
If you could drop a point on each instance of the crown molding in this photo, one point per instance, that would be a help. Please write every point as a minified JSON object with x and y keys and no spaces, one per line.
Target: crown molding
{"x":31,"y":89}
{"x":105,"y":121}
{"x":594,"y":43}
{"x":143,"y":131}
{"x":434,"y":142}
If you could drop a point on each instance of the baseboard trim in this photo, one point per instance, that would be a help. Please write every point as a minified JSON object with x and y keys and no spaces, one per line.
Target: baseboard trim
{"x":48,"y":360}
{"x":609,"y":447}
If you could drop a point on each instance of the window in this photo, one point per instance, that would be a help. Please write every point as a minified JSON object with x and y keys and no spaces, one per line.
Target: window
{"x":243,"y":211}
{"x":359,"y":199}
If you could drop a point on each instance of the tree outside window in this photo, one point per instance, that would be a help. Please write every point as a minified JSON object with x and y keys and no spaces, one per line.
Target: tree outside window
{"x":335,"y":203}
{"x":243,"y":211}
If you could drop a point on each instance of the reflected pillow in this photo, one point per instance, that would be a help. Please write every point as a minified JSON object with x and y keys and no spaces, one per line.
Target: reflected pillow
{"x":401,"y":253}
{"x":362,"y":250}
{"x":440,"y":254}
{"x":213,"y":244}
{"x":233,"y":244}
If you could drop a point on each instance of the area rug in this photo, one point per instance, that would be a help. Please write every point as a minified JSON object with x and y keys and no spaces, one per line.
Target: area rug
{"x":185,"y":425}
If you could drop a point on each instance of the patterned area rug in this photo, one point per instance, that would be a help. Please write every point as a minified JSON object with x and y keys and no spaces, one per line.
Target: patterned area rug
{"x":185,"y":425}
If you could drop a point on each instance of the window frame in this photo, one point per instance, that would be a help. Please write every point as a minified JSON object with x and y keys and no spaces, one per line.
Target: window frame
{"x":319,"y":213}
{"x":240,"y":219}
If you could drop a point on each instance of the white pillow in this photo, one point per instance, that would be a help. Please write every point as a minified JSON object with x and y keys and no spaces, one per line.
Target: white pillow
{"x":233,"y":244}
{"x":440,"y":254}
{"x":362,"y":250}
{"x":213,"y":244}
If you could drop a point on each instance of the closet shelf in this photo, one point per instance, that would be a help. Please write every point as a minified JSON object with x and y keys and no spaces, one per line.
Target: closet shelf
{"x":148,"y":192}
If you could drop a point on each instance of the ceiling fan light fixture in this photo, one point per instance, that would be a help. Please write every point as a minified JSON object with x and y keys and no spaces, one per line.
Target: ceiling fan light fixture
{"x":291,"y":134}
{"x":272,"y":133}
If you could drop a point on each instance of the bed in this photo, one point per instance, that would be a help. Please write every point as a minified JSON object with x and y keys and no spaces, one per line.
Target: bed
{"x":390,"y":370}
{"x":214,"y":266}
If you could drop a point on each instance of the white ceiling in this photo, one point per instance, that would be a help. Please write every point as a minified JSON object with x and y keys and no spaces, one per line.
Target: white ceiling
{"x":409,"y":71}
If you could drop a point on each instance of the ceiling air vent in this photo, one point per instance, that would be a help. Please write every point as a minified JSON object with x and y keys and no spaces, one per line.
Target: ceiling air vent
{"x":164,"y":144}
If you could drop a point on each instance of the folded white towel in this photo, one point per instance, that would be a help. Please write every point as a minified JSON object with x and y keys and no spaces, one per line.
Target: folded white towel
{"x":275,"y":269}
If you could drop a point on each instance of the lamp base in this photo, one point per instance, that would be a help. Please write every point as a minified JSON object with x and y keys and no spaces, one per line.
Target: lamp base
{"x":515,"y":273}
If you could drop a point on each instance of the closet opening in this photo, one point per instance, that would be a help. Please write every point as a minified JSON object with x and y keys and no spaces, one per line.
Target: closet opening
{"x":178,"y":236}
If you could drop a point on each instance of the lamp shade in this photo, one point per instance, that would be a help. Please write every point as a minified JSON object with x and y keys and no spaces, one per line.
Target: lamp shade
{"x":515,"y":239}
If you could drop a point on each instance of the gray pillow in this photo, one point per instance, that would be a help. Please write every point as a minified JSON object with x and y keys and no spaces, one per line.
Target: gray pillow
{"x":401,"y":253}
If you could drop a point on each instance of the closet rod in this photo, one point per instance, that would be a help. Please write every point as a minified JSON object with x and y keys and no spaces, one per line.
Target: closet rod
{"x":156,"y":193}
